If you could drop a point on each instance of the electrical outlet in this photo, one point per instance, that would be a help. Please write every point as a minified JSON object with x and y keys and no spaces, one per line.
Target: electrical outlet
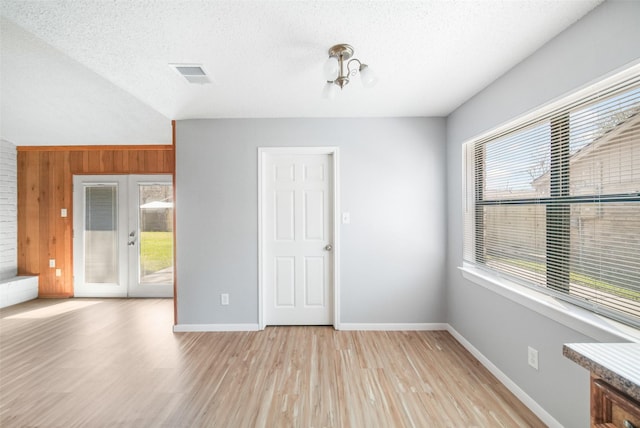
{"x":52,"y":263}
{"x":532,"y":358}
{"x":63,"y":212}
{"x":224,"y":299}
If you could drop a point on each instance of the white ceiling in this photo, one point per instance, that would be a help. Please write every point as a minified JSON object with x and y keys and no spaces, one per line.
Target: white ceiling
{"x":96,"y":72}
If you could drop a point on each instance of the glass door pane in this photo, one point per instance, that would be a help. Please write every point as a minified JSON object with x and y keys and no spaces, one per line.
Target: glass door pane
{"x":101,"y":234}
{"x":155,"y":217}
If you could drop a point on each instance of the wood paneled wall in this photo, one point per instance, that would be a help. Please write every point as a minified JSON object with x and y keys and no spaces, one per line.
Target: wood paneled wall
{"x":45,"y":180}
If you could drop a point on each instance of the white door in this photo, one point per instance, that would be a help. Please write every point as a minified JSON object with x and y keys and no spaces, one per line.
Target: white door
{"x":297,"y":238}
{"x":150,"y":239}
{"x":123,"y":236}
{"x":100,"y":236}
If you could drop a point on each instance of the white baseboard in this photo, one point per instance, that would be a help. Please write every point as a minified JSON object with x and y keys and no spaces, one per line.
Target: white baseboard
{"x":183,"y":328}
{"x":392,"y":326}
{"x":511,"y":385}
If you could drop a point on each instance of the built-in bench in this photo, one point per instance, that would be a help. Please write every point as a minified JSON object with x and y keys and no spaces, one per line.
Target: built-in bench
{"x":17,"y":290}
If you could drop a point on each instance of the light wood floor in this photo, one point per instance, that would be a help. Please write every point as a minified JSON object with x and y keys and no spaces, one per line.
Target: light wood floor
{"x":116,"y":363}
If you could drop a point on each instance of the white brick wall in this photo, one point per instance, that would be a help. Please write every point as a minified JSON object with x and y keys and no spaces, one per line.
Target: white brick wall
{"x":8,"y":210}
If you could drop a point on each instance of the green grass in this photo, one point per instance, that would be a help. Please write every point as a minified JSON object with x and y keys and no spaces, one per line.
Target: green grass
{"x":156,"y":251}
{"x":577,"y":278}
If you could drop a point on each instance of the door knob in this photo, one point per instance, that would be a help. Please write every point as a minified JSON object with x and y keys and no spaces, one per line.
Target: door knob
{"x":328,"y":247}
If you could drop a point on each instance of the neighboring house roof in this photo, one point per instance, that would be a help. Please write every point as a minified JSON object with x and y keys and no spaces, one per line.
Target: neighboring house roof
{"x":610,"y":137}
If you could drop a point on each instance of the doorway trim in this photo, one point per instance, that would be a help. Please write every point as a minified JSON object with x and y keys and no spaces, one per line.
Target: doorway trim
{"x":263,"y":153}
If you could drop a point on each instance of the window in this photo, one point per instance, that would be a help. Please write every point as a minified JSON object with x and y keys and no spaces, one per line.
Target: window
{"x":554,"y":202}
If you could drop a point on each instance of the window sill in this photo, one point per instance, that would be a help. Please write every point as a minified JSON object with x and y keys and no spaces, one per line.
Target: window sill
{"x":574,"y":317}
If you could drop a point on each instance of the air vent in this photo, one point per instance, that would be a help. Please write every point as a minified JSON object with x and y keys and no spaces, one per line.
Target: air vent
{"x":194,"y":73}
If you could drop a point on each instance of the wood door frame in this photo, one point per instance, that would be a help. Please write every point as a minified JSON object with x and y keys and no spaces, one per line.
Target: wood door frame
{"x":263,"y":153}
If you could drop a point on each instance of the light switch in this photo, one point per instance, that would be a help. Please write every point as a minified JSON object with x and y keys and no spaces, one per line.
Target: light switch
{"x":346,"y":218}
{"x":224,"y":299}
{"x":58,"y":272}
{"x":63,"y":212}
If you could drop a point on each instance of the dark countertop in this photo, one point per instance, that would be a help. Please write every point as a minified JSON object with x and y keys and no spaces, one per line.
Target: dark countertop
{"x":618,"y":364}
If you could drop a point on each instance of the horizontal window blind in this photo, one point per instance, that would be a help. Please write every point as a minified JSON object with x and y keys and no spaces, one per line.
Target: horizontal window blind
{"x":554,"y":202}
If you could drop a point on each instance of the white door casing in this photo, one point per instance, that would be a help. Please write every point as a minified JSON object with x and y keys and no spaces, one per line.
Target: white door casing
{"x":297,"y":239}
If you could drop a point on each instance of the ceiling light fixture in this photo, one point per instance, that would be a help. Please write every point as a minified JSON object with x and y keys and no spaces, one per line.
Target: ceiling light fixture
{"x":337,"y":73}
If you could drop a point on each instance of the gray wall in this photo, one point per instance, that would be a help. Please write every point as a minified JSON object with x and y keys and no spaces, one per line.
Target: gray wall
{"x":603,"y":41}
{"x":392,"y":183}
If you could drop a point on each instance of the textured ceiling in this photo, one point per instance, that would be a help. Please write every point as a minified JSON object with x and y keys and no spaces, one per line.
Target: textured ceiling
{"x":96,"y":72}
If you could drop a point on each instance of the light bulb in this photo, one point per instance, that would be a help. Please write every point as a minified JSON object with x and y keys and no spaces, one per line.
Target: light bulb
{"x":367,"y":76}
{"x":329,"y":91}
{"x":331,"y":68}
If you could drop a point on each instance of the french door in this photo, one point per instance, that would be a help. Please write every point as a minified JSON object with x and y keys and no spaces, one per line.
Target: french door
{"x":123,"y":235}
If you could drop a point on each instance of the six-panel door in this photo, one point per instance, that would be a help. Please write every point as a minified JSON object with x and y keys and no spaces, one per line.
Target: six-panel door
{"x":297,"y":202}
